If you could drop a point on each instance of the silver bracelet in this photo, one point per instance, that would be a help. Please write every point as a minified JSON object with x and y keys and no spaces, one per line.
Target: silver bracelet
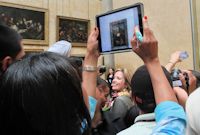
{"x":89,"y":68}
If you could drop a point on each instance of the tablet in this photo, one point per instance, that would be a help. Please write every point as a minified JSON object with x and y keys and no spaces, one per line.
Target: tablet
{"x":116,"y":28}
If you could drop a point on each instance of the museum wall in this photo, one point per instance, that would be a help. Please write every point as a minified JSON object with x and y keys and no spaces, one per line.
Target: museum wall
{"x":66,"y":8}
{"x":169,"y":20}
{"x":198,"y":31}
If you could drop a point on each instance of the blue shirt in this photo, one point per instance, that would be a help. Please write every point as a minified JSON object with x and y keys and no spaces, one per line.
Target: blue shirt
{"x":92,"y":104}
{"x":170,"y":119}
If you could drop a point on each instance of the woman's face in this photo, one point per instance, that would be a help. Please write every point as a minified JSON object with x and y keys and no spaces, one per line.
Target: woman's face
{"x":111,"y":71}
{"x":118,"y":83}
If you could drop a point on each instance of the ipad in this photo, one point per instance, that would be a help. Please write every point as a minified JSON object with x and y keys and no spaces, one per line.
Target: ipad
{"x":116,"y":28}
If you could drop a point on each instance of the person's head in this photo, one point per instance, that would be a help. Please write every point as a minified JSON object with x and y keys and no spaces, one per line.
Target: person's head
{"x":111,"y":70}
{"x":77,"y":62}
{"x":121,"y":80}
{"x":190,"y":79}
{"x":102,"y":70}
{"x":197,"y":75}
{"x":131,"y":114}
{"x":10,"y":47}
{"x":41,"y":94}
{"x":102,"y":91}
{"x":142,"y":89}
{"x":61,"y":47}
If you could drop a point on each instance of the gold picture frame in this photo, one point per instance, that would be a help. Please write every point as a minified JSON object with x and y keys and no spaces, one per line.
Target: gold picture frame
{"x":30,"y":22}
{"x":27,"y":51}
{"x":74,"y":30}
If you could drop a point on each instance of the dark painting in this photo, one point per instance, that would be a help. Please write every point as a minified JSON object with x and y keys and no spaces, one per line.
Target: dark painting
{"x":73,"y":30}
{"x":29,"y":23}
{"x":119,"y":35}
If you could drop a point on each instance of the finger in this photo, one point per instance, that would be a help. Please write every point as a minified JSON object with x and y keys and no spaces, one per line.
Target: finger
{"x":188,"y":72}
{"x":93,"y":32}
{"x":134,"y":43}
{"x":136,"y":28}
{"x":146,"y":30}
{"x":96,"y":31}
{"x":145,"y":22}
{"x":191,"y":77}
{"x":133,"y":40}
{"x":181,"y":76}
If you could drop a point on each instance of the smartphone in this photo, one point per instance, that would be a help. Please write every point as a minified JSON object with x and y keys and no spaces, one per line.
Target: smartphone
{"x":183,"y":55}
{"x":116,"y":28}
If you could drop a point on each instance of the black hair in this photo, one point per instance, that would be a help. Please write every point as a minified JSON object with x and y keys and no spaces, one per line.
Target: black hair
{"x":131,"y":114}
{"x":41,"y":95}
{"x":101,"y":81}
{"x":9,"y":42}
{"x":77,"y":62}
{"x":142,"y":89}
{"x":197,"y":75}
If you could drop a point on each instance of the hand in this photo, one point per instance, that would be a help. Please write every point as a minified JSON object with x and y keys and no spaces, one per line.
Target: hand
{"x":92,"y":43}
{"x":91,"y":58}
{"x":174,"y":58}
{"x":181,"y":95}
{"x":147,"y":50}
{"x":192,"y":81}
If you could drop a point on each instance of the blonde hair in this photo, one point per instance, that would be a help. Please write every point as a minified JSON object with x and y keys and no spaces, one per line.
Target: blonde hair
{"x":127,"y":77}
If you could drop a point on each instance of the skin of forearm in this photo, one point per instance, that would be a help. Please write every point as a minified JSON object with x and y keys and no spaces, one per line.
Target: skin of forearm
{"x":162,"y":89}
{"x":89,"y":78}
{"x":170,"y":66}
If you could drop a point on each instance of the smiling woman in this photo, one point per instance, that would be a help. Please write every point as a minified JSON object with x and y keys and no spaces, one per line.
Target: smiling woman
{"x":120,"y":82}
{"x":120,"y":104}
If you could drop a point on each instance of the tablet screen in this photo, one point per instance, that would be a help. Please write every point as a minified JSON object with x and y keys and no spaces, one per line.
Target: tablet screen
{"x":116,"y":28}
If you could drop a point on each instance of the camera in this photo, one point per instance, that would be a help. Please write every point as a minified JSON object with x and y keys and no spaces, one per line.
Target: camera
{"x":102,"y":69}
{"x":183,"y":55}
{"x":176,"y":82}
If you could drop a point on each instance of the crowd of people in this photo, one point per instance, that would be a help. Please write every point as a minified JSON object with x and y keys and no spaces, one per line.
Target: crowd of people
{"x":52,"y":93}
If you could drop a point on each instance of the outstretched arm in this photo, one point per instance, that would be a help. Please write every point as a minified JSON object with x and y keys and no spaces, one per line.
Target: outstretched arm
{"x":170,"y":116}
{"x":147,"y":50}
{"x":174,"y":59}
{"x":90,"y":68}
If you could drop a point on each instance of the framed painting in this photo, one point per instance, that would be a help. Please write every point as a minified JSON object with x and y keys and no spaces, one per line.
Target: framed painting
{"x":119,"y":34}
{"x":73,"y":30}
{"x":30,"y":22}
{"x":28,"y":51}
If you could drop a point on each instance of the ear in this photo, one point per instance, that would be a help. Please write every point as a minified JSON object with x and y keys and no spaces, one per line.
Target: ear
{"x":133,"y":98}
{"x":137,"y":99}
{"x":126,"y":85}
{"x":6,"y":62}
